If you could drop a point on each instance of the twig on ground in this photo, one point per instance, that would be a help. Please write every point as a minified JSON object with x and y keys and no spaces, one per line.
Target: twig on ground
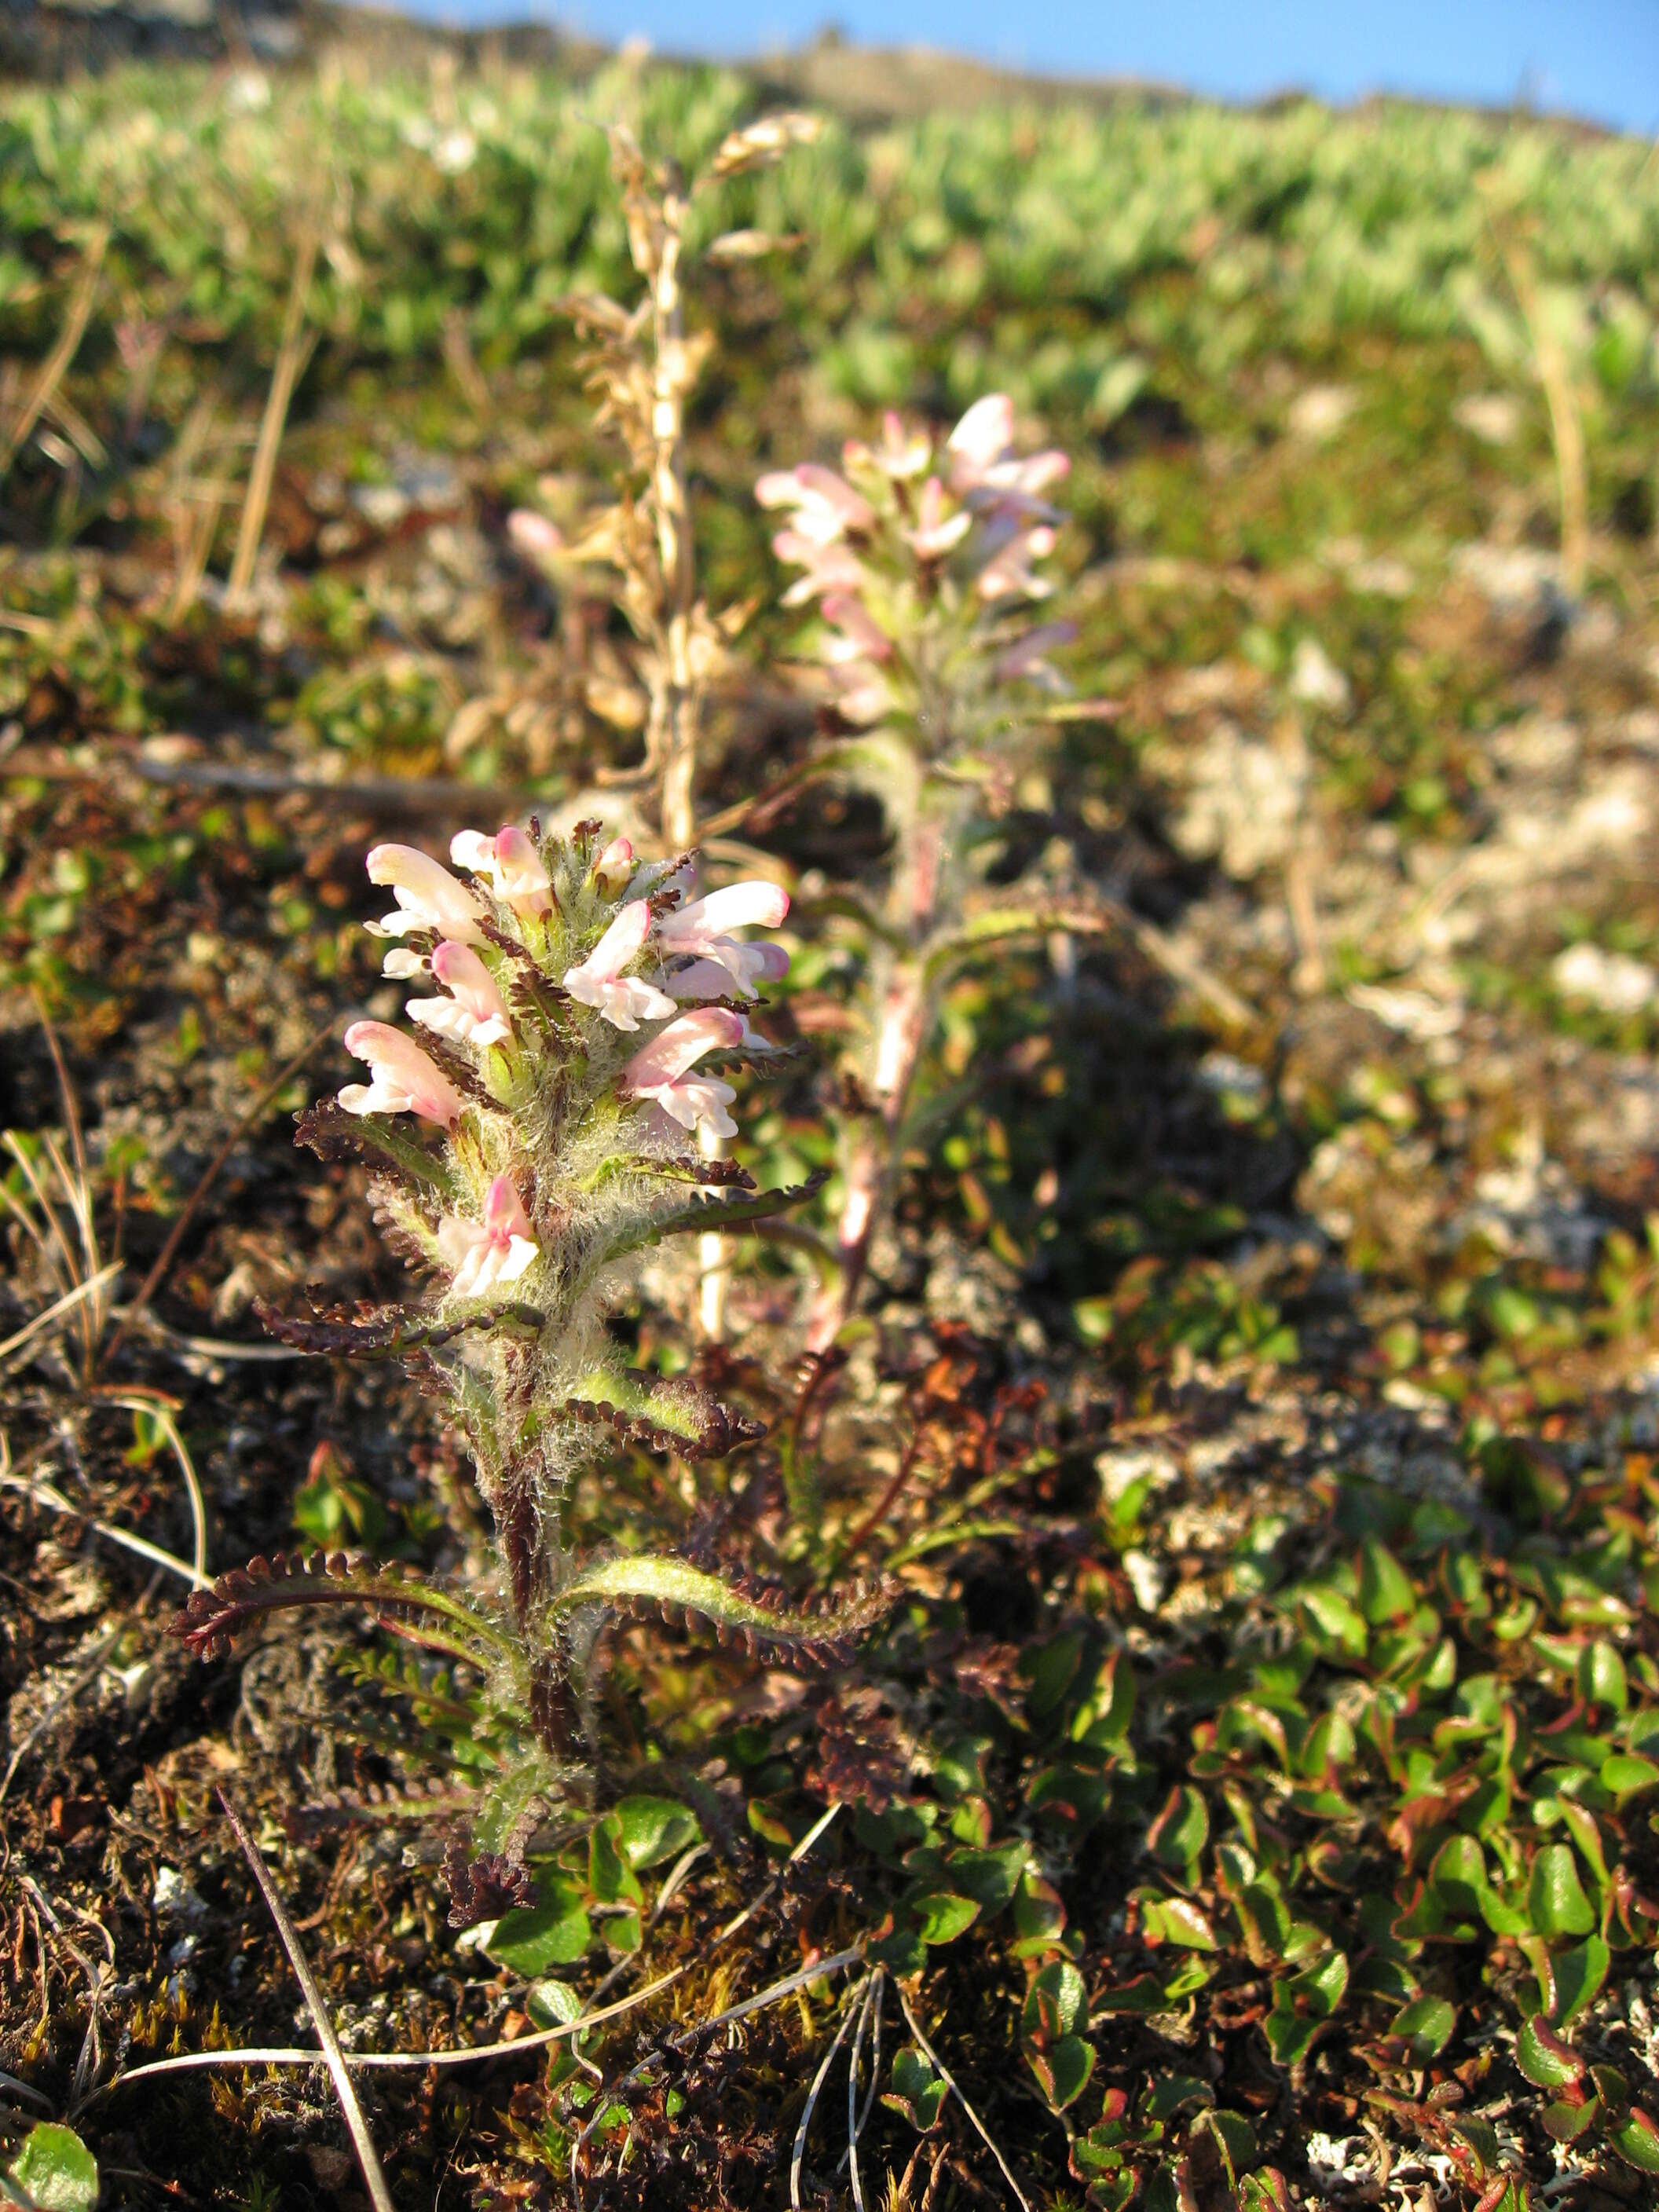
{"x":45,"y":1492}
{"x":362,"y":2140}
{"x":799,"y":2153}
{"x":289,"y":2055}
{"x":955,"y":2089}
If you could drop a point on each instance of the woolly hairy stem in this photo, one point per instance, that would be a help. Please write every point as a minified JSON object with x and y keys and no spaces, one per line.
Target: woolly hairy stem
{"x":900,"y":1034}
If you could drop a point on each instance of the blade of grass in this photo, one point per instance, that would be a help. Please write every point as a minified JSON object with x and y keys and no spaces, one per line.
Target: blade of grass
{"x":362,"y":2142}
{"x":59,"y":1307}
{"x":56,"y":365}
{"x":292,"y":355}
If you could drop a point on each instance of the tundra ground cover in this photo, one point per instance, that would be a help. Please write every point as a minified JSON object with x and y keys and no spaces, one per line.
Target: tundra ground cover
{"x":1250,"y":1793}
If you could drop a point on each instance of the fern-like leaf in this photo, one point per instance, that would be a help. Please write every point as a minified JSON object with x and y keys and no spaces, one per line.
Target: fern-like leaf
{"x":213,"y":1617}
{"x":740,"y":1610}
{"x":333,"y":1135}
{"x":661,"y":1416}
{"x":721,"y":1213}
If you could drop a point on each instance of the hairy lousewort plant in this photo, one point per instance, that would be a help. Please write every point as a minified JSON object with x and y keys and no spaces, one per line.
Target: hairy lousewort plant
{"x":924,"y":562}
{"x":573,"y":1010}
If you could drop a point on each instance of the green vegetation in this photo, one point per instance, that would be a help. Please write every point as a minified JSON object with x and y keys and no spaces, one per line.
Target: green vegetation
{"x":1252,"y":1793}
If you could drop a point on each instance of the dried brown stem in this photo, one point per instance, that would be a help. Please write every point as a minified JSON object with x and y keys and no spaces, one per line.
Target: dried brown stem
{"x":292,"y":355}
{"x":57,"y":363}
{"x":361,"y":2141}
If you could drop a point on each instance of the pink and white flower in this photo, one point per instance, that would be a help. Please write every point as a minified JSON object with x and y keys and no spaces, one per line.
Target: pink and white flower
{"x":826,"y":507}
{"x":625,"y":1001}
{"x":937,"y":533}
{"x":428,"y":895}
{"x":614,"y":869}
{"x":661,"y":1071}
{"x":405,"y":1080}
{"x":702,"y":931}
{"x":828,"y":568}
{"x":475,"y":1013}
{"x":981,"y":438}
{"x":1008,"y":573}
{"x":862,"y":637}
{"x":901,"y":454}
{"x":517,"y":871}
{"x":707,"y":979}
{"x":984,"y":469}
{"x":498,"y":1249}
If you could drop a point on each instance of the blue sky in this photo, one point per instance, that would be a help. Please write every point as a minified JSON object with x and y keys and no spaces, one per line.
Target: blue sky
{"x":1598,"y":59}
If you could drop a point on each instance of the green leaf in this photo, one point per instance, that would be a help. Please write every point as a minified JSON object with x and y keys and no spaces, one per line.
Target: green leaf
{"x":1426,"y":2024}
{"x":1601,"y":1677}
{"x":533,"y":1937}
{"x":1063,"y":2070}
{"x":1624,"y":1774}
{"x":943,"y":1917}
{"x":1056,"y":2002}
{"x":1301,"y":2004}
{"x":917,"y":2092}
{"x":1579,"y":1974}
{"x":1636,"y":2139}
{"x":1335,"y":1619}
{"x":654,"y":1580}
{"x":1385,"y":1589}
{"x":702,"y":1215}
{"x":609,"y":1876}
{"x":1543,"y":2057}
{"x":1180,"y":1831}
{"x":552,"y":2004}
{"x":1174,"y":1920}
{"x":1555,"y":1896}
{"x":651,"y":1829}
{"x":54,"y":2171}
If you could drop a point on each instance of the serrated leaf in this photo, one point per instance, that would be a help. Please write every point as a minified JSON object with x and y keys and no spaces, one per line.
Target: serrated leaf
{"x":649,"y":1579}
{"x":702,"y":1216}
{"x":1547,"y":2062}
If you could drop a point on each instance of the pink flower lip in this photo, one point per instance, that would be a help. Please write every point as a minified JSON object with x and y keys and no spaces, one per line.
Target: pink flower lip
{"x":499,"y":1249}
{"x":406,"y":1080}
{"x":661,"y":1072}
{"x":678,"y":1047}
{"x":623,"y":1000}
{"x":475,"y":1013}
{"x":985,"y":432}
{"x":428,"y":895}
{"x":512,"y":862}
